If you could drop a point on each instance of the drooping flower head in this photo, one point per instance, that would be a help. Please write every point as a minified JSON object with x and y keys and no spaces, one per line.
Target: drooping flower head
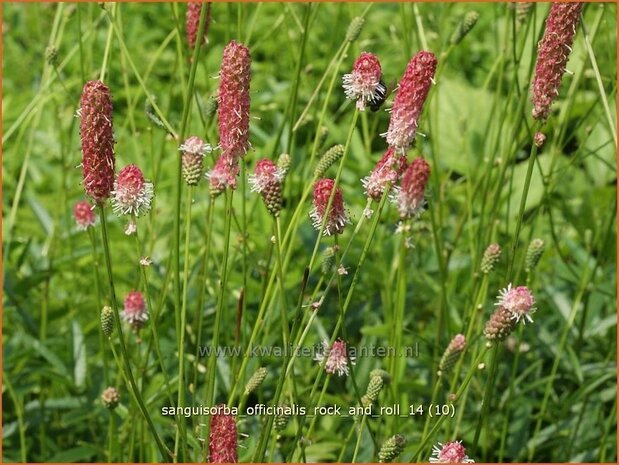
{"x":97,"y":139}
{"x":410,"y":196}
{"x":336,"y":358}
{"x":223,"y":175}
{"x":192,"y":158}
{"x":553,"y":53}
{"x":267,"y":181}
{"x":408,"y":103}
{"x":193,"y":21}
{"x":337,"y":217}
{"x":450,"y":452}
{"x":519,"y":301}
{"x":84,"y":215}
{"x":135,"y":312}
{"x":223,"y":440}
{"x":132,"y":194}
{"x":364,"y":84}
{"x":233,"y":109}
{"x":388,"y":170}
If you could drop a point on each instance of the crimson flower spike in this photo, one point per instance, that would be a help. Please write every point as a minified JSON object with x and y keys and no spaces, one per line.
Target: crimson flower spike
{"x":408,"y":103}
{"x":233,"y":109}
{"x":97,"y":140}
{"x":553,"y":53}
{"x":193,"y":21}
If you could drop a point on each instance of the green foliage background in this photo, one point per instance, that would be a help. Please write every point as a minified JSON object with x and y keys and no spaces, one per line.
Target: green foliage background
{"x":52,"y":367}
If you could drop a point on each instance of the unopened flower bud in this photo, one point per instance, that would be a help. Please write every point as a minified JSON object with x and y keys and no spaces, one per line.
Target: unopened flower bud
{"x":256,"y":380}
{"x":327,"y":160}
{"x":107,"y":321}
{"x":110,"y":398}
{"x":534,"y":253}
{"x":464,"y":27}
{"x":452,"y":353}
{"x":490,"y":258}
{"x":391,"y":448}
{"x":354,"y":29}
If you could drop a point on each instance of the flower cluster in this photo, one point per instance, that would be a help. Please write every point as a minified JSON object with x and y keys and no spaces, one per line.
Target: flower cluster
{"x":519,"y":301}
{"x":135,"y":312}
{"x":408,"y":104}
{"x":337,"y":218}
{"x":97,"y":139}
{"x":450,"y":452}
{"x":132,"y":194}
{"x":410,"y":197}
{"x":553,"y":54}
{"x":84,"y":215}
{"x":336,"y":358}
{"x":193,"y":21}
{"x":364,"y":84}
{"x":233,"y":116}
{"x":223,"y":441}
{"x":267,"y":181}
{"x":193,"y":151}
{"x":387,"y":172}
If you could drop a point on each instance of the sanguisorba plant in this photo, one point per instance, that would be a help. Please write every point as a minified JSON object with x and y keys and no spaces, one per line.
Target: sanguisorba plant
{"x":309,"y":256}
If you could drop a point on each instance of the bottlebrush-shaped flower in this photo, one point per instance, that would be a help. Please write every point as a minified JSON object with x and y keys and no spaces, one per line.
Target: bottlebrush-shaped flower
{"x":192,"y":158}
{"x":408,"y":103}
{"x":135,"y":312}
{"x":410,"y":195}
{"x":450,"y":452}
{"x":132,"y":194}
{"x":193,"y":21}
{"x":97,"y":139}
{"x":84,"y":215}
{"x":267,"y":181}
{"x":388,"y":170}
{"x":336,"y":359}
{"x":337,"y":218}
{"x":223,"y":174}
{"x":364,"y":84}
{"x":519,"y":301}
{"x":233,"y":109}
{"x":553,"y":53}
{"x":223,"y":441}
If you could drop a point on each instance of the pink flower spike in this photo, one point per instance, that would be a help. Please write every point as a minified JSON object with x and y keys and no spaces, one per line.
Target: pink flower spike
{"x":450,"y":452}
{"x":519,"y":301}
{"x":553,"y":53}
{"x":193,"y":21}
{"x":84,"y":215}
{"x":337,"y":361}
{"x":233,"y":109}
{"x":410,"y":196}
{"x":97,"y":139}
{"x":265,"y":174}
{"x":364,"y":84}
{"x":223,"y":175}
{"x":408,"y":103}
{"x":135,"y":312}
{"x":337,"y":218}
{"x":389,"y":169}
{"x":132,"y":195}
{"x":223,"y":440}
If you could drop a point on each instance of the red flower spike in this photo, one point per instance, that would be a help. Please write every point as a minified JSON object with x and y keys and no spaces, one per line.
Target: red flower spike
{"x":97,"y":140}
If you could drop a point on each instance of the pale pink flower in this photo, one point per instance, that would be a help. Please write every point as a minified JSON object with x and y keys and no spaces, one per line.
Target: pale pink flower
{"x":519,"y":301}
{"x":450,"y":452}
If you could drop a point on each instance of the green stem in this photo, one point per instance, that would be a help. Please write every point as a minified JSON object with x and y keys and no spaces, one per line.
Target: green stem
{"x":134,"y":390}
